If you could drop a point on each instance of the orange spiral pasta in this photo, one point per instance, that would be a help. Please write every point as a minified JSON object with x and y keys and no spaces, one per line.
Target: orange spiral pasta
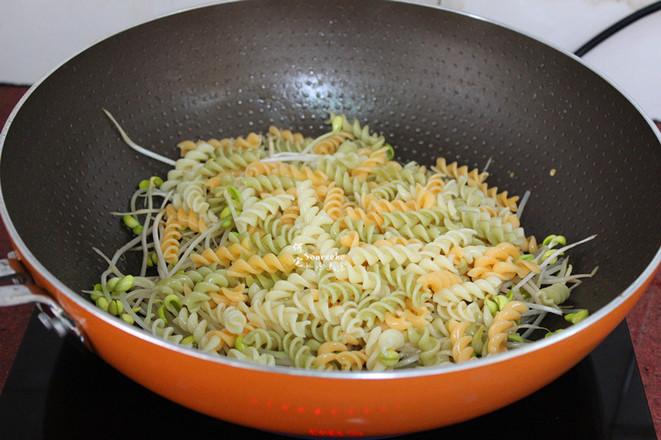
{"x":375,"y":158}
{"x":222,"y":255}
{"x":332,"y":143}
{"x":216,"y":339}
{"x":250,"y":142}
{"x":411,"y":317}
{"x":287,"y":135}
{"x":191,"y":221}
{"x":453,"y":170}
{"x":435,"y":183}
{"x":351,"y":360}
{"x":501,"y":261}
{"x":375,"y":204}
{"x":503,"y":324}
{"x":186,"y":146}
{"x":222,"y":338}
{"x":290,"y":215}
{"x":461,"y":349}
{"x":229,"y":296}
{"x":370,"y":218}
{"x":255,"y":264}
{"x":325,"y":253}
{"x":327,"y":351}
{"x":501,"y":198}
{"x":350,"y":239}
{"x":282,"y":169}
{"x":333,"y":202}
{"x":424,"y":198}
{"x":437,"y":280}
{"x":171,"y":236}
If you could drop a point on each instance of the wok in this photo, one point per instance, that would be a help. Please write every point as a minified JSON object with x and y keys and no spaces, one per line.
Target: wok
{"x":434,"y":82}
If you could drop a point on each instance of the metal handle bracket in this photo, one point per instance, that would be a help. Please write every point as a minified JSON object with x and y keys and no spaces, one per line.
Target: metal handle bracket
{"x":24,"y":291}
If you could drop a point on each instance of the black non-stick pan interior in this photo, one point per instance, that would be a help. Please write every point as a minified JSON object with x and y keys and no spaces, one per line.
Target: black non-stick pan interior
{"x":432,"y":81}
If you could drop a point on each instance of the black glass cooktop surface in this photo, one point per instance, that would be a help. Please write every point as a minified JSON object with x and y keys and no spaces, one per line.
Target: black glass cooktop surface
{"x":56,"y":390}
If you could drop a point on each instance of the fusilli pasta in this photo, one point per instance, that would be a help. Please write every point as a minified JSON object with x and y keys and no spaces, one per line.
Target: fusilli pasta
{"x":325,"y":253}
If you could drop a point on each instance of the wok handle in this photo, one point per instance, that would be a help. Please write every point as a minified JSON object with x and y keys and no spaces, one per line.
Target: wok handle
{"x":24,"y":291}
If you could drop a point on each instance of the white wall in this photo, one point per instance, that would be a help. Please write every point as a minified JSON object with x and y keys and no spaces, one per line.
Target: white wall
{"x":38,"y":35}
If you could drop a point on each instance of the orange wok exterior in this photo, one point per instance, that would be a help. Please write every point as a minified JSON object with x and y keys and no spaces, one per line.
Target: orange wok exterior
{"x":310,"y":403}
{"x":454,"y":86}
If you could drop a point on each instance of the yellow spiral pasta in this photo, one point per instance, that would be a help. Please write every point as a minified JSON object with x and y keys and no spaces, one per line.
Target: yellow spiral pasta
{"x":325,"y":253}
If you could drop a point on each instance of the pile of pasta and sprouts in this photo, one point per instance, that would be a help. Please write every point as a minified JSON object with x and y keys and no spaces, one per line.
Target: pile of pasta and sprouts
{"x":326,"y":253}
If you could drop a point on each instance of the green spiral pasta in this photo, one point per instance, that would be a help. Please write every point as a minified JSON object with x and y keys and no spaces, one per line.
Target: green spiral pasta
{"x":423,"y":217}
{"x":377,"y":309}
{"x":407,"y":281}
{"x":324,"y":331}
{"x":299,"y":353}
{"x":427,"y":346}
{"x":362,"y":133}
{"x":325,"y":253}
{"x":491,"y":229}
{"x":366,"y":233}
{"x":251,"y":354}
{"x":264,"y":339}
{"x":409,"y":175}
{"x":263,"y":183}
{"x":554,"y":294}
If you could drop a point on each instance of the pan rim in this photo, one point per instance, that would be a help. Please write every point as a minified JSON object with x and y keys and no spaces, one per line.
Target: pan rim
{"x":527,"y":349}
{"x":145,"y":336}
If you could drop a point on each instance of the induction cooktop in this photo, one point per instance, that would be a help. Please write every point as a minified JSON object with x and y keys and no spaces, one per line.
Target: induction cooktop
{"x":58,"y":390}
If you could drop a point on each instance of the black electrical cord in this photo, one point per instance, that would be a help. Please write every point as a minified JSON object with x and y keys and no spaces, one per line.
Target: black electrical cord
{"x":616,"y":27}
